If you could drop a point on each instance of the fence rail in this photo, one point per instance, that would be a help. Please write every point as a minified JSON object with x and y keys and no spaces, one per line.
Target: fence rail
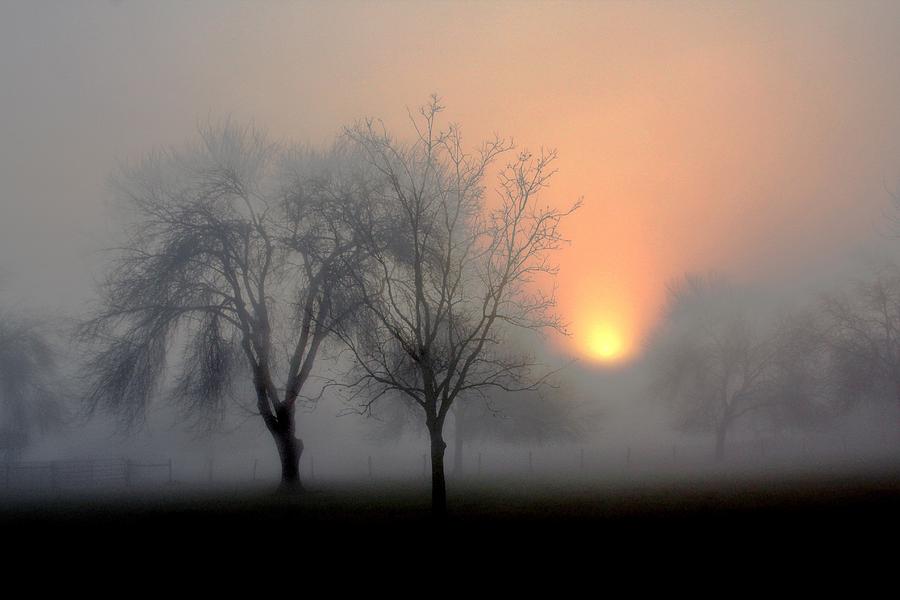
{"x":573,"y":462}
{"x":75,"y":474}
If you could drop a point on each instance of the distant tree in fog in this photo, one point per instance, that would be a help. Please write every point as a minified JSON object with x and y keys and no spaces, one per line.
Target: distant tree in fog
{"x":712,"y":363}
{"x":864,"y":338}
{"x":452,"y":274}
{"x":233,"y":253}
{"x":527,"y":417}
{"x":30,"y":384}
{"x":524,"y":417}
{"x":799,"y":394}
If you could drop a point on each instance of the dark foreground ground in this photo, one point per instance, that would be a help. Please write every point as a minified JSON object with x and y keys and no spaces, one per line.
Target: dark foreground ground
{"x":779,"y":522}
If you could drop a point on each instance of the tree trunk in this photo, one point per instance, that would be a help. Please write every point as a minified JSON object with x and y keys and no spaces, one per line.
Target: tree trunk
{"x":438,"y":482}
{"x":721,"y":432}
{"x":290,"y":448}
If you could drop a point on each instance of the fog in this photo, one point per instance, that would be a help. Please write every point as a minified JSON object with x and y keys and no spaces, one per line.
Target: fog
{"x":752,"y":147}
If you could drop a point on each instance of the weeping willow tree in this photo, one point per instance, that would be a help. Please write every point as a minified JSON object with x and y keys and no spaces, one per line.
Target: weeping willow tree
{"x":30,"y":384}
{"x":232,"y":259}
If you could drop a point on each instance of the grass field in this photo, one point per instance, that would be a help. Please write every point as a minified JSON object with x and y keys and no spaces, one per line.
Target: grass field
{"x":814,"y":511}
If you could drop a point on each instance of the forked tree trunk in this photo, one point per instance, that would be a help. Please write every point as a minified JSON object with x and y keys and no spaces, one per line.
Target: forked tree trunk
{"x":290,"y":448}
{"x":438,"y":482}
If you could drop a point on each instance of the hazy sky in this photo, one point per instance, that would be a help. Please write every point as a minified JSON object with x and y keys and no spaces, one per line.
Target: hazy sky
{"x":756,"y":139}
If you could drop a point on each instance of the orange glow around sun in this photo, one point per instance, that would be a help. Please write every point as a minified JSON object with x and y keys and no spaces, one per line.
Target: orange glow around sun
{"x":698,"y":138}
{"x":604,"y":324}
{"x":608,"y":298}
{"x":604,"y":343}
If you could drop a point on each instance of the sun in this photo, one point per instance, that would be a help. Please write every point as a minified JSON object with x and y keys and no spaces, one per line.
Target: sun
{"x":605,"y":343}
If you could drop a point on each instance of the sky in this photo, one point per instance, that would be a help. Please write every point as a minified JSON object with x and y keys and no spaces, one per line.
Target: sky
{"x":760,"y":140}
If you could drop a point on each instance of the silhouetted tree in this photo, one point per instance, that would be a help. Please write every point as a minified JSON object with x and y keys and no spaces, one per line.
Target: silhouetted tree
{"x":713,"y":365}
{"x":451,"y":274}
{"x":30,"y":395}
{"x":233,"y":248}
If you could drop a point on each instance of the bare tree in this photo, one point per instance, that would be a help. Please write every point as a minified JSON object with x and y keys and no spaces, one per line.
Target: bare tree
{"x":450,"y":275}
{"x":799,"y":394}
{"x":864,"y":337}
{"x":233,"y":252}
{"x":712,"y":365}
{"x":30,"y":397}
